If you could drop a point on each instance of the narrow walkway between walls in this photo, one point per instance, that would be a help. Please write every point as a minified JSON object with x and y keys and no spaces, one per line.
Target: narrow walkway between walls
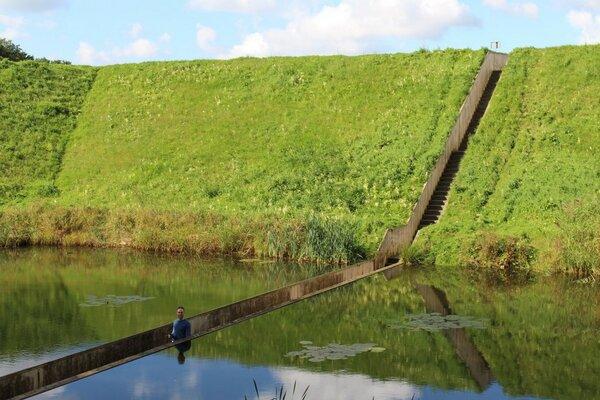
{"x":439,"y":198}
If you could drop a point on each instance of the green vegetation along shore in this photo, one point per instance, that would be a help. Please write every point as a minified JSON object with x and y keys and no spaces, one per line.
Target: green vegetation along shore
{"x":307,"y":158}
{"x":532,"y":170}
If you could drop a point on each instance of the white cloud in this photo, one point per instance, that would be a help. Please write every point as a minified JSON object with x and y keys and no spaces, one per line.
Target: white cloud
{"x":11,"y":27}
{"x":205,"y":36}
{"x":32,"y":5}
{"x":592,"y":4}
{"x":587,"y":23}
{"x":141,"y":48}
{"x":239,"y":6}
{"x":48,"y":24}
{"x":87,"y":54}
{"x":589,"y":5}
{"x":527,"y":9}
{"x":165,"y":38}
{"x":353,"y":25}
{"x":136,"y":30}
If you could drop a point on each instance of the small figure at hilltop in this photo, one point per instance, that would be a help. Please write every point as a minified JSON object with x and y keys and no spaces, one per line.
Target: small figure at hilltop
{"x":181,"y":330}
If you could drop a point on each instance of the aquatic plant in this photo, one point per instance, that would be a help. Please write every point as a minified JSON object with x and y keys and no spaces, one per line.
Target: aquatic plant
{"x":280,"y":393}
{"x":433,"y":322}
{"x":112,"y":300}
{"x":332,"y":351}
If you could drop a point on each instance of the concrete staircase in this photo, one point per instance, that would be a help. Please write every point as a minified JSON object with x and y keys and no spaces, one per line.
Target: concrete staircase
{"x":440,"y":195}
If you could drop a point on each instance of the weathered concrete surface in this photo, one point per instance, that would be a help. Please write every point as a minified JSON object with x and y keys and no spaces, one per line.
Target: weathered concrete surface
{"x":436,"y":301}
{"x":59,"y":372}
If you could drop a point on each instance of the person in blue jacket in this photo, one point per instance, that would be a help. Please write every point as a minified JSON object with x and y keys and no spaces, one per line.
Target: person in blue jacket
{"x":181,"y":327}
{"x":181,"y":330}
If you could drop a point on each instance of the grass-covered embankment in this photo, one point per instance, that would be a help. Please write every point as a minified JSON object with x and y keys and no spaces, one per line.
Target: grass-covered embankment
{"x":307,"y":158}
{"x":532,"y":169}
{"x":39,"y":105}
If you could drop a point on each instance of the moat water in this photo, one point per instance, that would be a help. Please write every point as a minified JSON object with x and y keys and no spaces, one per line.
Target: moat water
{"x":427,"y":334}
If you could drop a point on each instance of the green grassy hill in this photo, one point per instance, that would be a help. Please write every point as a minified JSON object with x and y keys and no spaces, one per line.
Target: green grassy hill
{"x":309,"y":157}
{"x":303,"y":158}
{"x":533,"y":167}
{"x":39,"y":105}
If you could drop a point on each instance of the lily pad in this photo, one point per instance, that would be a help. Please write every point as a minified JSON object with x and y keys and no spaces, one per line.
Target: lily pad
{"x":377,"y":349}
{"x":112,"y":300}
{"x":333,"y":351}
{"x":434,"y":322}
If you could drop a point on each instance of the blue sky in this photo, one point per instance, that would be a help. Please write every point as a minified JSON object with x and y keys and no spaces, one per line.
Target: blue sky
{"x":118,"y":31}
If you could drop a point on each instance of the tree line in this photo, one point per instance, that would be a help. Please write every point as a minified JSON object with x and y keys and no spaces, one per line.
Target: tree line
{"x":13,"y":52}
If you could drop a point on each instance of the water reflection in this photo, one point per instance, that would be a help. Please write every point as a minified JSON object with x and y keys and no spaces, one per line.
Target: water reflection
{"x":437,"y":302}
{"x":65,"y":300}
{"x":541,"y":340}
{"x":202,"y":378}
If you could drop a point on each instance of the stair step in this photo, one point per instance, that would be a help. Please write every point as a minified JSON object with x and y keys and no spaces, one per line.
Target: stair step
{"x":451,"y":171}
{"x":433,"y":212}
{"x":436,"y":202}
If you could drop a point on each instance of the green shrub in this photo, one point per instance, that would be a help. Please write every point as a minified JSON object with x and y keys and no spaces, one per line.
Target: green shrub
{"x":502,"y":259}
{"x":417,"y":255}
{"x":578,"y":246}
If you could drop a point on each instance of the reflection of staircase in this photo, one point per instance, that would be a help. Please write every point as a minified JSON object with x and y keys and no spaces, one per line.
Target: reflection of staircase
{"x":440,"y":195}
{"x":437,"y":302}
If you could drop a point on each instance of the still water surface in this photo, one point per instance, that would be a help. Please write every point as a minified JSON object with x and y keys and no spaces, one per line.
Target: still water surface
{"x":374,"y":339}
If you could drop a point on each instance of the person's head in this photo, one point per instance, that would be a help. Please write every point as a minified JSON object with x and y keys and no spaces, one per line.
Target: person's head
{"x":180,"y":311}
{"x":180,"y":358}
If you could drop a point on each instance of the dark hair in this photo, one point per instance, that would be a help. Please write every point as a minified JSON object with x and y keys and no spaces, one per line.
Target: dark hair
{"x":181,"y":308}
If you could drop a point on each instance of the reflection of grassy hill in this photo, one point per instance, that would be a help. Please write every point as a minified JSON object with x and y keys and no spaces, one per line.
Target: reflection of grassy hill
{"x":39,"y":105}
{"x":38,"y":315}
{"x":538,"y":340}
{"x":249,"y":149}
{"x":543,"y":338}
{"x":535,"y":152}
{"x":40,"y":307}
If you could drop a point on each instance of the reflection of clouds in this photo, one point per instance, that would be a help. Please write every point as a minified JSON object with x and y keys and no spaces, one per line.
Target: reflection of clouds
{"x":344,"y":386}
{"x":191,"y":379}
{"x":143,"y":388}
{"x":58,"y":393}
{"x":160,"y":377}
